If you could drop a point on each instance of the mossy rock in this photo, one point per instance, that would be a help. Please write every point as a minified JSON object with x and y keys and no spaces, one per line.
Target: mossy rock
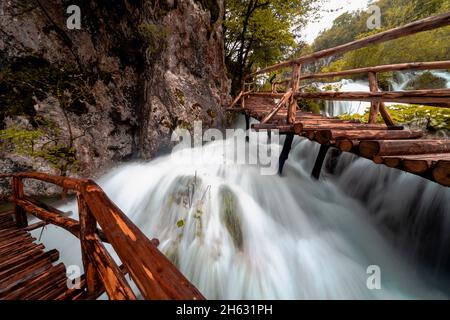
{"x":426,"y":81}
{"x":230,"y":217}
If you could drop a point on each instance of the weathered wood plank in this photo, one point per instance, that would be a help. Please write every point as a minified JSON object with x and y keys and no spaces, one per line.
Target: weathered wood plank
{"x":402,"y":147}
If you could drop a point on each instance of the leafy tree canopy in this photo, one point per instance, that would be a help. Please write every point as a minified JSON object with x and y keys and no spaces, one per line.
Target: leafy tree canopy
{"x":262,"y":32}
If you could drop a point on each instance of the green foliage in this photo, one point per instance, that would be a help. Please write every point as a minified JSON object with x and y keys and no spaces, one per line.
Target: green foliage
{"x":180,"y":223}
{"x":434,"y":44}
{"x":153,"y":37}
{"x":313,"y":106}
{"x":262,"y":32}
{"x":429,"y":118}
{"x":180,"y":96}
{"x":29,"y":143}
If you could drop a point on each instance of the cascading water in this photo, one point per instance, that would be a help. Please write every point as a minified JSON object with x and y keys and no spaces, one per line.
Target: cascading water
{"x":398,"y":83}
{"x":239,"y":235}
{"x":336,"y":108}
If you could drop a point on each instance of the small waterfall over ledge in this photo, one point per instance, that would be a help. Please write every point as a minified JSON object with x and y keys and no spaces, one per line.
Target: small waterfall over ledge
{"x":239,"y":235}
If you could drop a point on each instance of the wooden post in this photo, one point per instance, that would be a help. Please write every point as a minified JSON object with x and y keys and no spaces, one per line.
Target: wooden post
{"x":378,"y":106}
{"x":319,"y":161}
{"x":292,"y":109}
{"x":285,"y":152}
{"x":18,"y":194}
{"x":247,"y":127}
{"x":374,"y":106}
{"x":88,"y":227}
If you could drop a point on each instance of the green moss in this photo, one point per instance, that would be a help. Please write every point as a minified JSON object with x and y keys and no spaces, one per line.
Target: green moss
{"x":153,"y":37}
{"x":426,"y":81}
{"x":180,"y":96}
{"x":211,"y":113}
{"x":27,"y":77}
{"x":430,"y":118}
{"x":181,"y":124}
{"x":230,"y":217}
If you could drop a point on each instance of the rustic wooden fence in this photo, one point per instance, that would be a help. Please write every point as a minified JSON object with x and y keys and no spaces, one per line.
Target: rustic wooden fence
{"x":289,"y":98}
{"x":101,"y":221}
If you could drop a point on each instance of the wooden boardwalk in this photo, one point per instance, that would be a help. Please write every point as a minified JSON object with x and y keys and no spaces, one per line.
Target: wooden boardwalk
{"x":393,"y":146}
{"x":27,"y":271}
{"x":387,"y":143}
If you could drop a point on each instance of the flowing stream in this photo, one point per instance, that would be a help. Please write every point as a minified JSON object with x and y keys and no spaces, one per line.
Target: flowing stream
{"x":237,"y":234}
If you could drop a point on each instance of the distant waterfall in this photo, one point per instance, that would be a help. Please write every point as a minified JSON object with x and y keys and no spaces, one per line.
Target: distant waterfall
{"x":398,"y":83}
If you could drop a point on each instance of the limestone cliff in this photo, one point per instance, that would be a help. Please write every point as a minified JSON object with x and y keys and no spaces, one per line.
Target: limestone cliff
{"x":112,"y":91}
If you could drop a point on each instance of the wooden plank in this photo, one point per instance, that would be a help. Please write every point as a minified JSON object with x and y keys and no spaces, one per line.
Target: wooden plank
{"x":324,"y":136}
{"x":281,"y":104}
{"x":283,"y":129}
{"x":434,"y":97}
{"x":153,"y":273}
{"x":53,"y":217}
{"x":435,"y":65}
{"x":111,"y":276}
{"x":370,"y":149}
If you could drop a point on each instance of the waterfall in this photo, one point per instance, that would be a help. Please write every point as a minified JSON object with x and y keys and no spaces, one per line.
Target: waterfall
{"x":336,"y":108}
{"x":398,"y":83}
{"x":239,"y":235}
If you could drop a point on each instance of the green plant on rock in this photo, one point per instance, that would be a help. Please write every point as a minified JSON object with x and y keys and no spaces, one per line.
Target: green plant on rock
{"x":153,"y":36}
{"x":25,"y":82}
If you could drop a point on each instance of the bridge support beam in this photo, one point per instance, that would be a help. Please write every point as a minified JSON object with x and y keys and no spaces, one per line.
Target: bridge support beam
{"x":285,"y":152}
{"x":247,"y":127}
{"x":319,"y":161}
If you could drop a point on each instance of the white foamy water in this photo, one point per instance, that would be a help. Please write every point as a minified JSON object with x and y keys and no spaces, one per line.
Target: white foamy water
{"x":248,"y":236}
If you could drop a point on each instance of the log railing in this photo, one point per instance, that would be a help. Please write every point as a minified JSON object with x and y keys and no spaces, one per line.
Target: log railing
{"x":439,"y":98}
{"x":154,"y":275}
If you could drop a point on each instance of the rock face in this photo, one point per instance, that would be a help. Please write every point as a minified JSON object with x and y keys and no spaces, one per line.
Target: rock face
{"x":147,"y":67}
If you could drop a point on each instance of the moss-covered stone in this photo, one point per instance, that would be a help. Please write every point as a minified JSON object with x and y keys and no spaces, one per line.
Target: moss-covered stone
{"x":153,"y":36}
{"x":426,"y":81}
{"x":230,"y":217}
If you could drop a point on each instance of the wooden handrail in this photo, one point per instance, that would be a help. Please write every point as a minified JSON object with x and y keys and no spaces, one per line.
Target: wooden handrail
{"x":426,"y":24}
{"x":435,"y":65}
{"x":155,"y":276}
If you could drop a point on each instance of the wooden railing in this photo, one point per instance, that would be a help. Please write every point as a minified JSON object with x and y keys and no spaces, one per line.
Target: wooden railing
{"x":289,"y":98}
{"x":154,"y":275}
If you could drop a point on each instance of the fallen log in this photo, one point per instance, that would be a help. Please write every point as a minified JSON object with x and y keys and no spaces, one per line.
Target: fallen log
{"x":371,"y":149}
